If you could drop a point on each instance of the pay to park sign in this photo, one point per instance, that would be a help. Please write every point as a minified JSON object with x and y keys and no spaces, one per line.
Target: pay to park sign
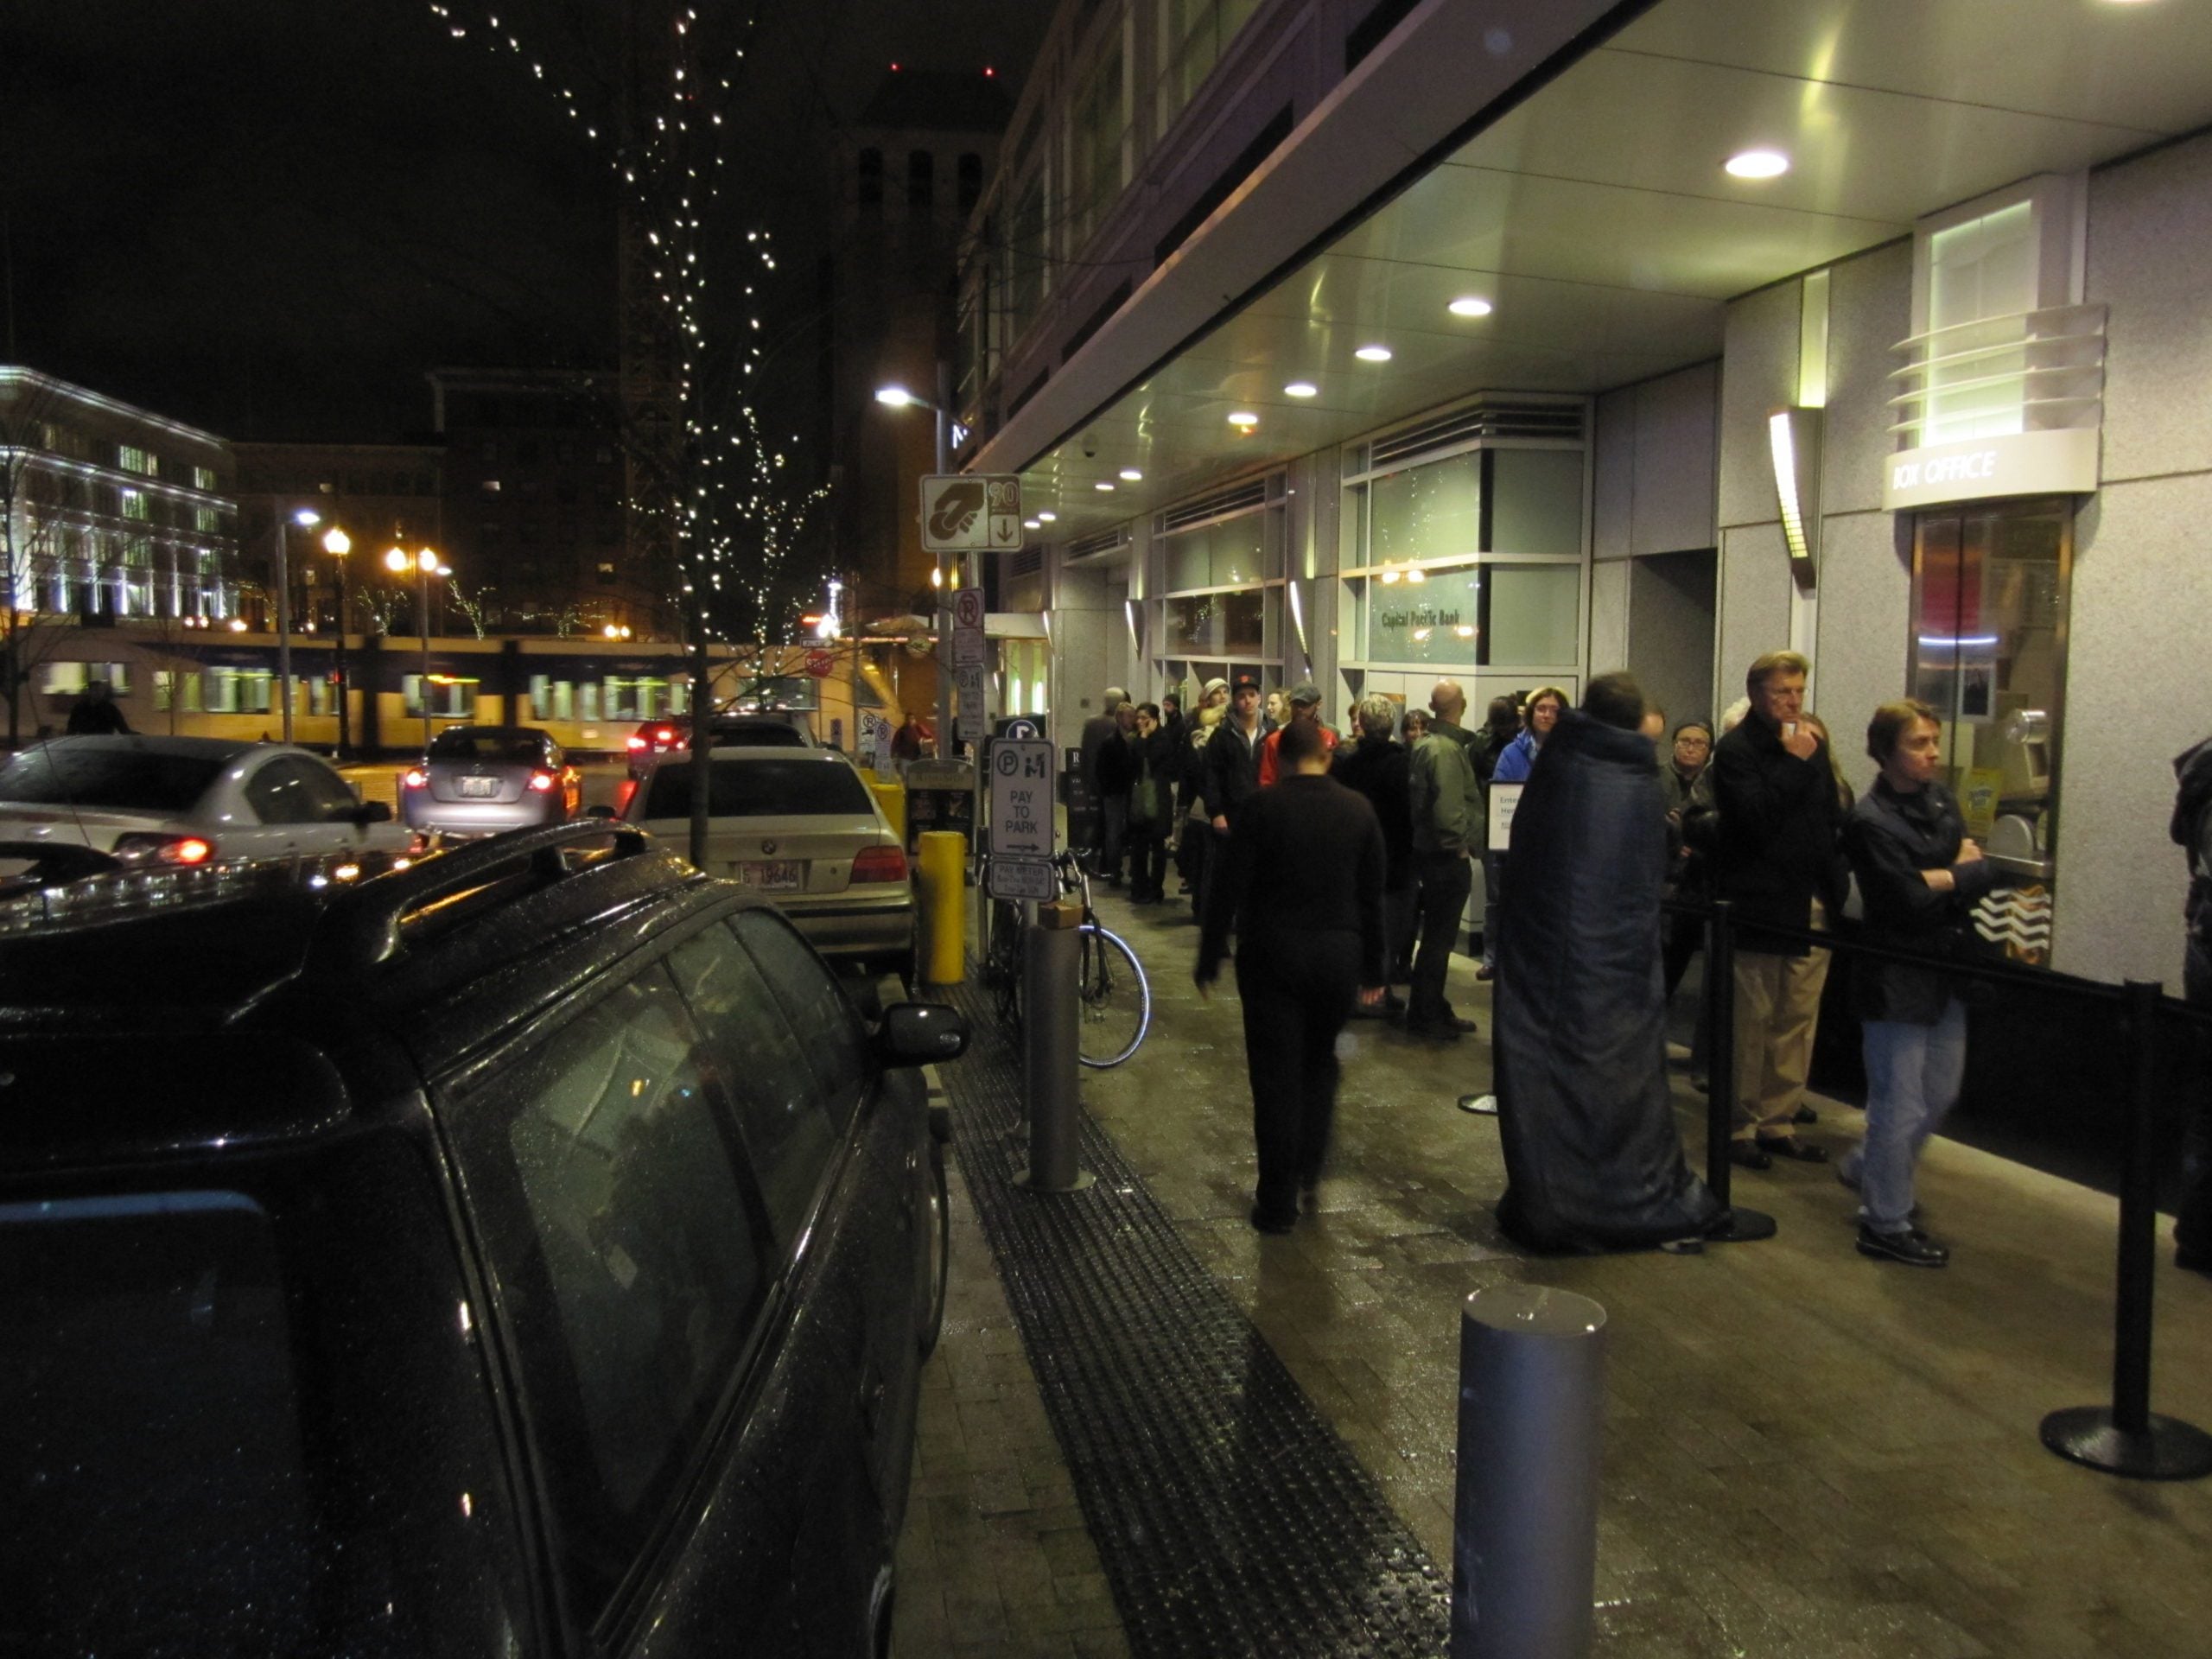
{"x":1022,"y":799}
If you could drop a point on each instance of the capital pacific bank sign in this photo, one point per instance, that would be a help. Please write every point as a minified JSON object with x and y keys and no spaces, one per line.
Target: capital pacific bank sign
{"x":1979,"y":469}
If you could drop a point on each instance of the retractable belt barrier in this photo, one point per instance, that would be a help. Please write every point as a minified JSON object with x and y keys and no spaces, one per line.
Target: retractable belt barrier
{"x":2126,"y":1438}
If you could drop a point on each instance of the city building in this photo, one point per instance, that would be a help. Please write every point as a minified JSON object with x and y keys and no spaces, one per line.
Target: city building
{"x":108,"y":514}
{"x":382,"y":495}
{"x":534,"y":497}
{"x":907,"y":176}
{"x":1373,"y":342}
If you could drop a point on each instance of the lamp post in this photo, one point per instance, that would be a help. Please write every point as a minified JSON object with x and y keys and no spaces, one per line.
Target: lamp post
{"x":425,"y":565}
{"x":306,"y":519}
{"x":899,"y":397}
{"x":338,"y":545}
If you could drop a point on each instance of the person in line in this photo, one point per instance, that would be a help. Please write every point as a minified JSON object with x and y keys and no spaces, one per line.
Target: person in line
{"x":1278,"y":709}
{"x":1301,"y":887}
{"x":95,"y":712}
{"x":907,"y":741}
{"x":1305,"y":701}
{"x":1775,"y":861}
{"x":1447,"y":707}
{"x":1920,"y":876}
{"x":1701,"y":835}
{"x":1686,"y":764}
{"x":1101,"y":732}
{"x":2191,"y":827}
{"x":1446,"y":807}
{"x":1416,"y":727}
{"x":1152,"y":756}
{"x":1378,"y":769}
{"x":1541,"y":712}
{"x":1593,"y":1157}
{"x":1194,"y":843}
{"x":1232,"y":762}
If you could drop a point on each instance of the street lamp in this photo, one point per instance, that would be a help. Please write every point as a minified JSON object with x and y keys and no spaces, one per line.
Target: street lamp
{"x":338,"y":545}
{"x":896,"y":396}
{"x":425,"y":565}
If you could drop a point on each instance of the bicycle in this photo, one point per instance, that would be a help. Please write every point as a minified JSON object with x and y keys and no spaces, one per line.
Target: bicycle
{"x":1113,"y":997}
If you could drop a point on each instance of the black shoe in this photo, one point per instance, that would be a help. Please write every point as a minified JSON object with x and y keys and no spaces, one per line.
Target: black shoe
{"x":1486,"y":973}
{"x":1433,"y":1031}
{"x":1805,"y":1114}
{"x":1913,"y":1250}
{"x":1789,"y":1145}
{"x":1748,"y":1154}
{"x":1276,"y":1224}
{"x":1459,"y":1023}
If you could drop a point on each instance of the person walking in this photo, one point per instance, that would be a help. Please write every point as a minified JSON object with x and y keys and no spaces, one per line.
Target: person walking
{"x":1919,"y":876}
{"x":1232,"y":762}
{"x":1301,"y":887}
{"x":1445,"y":804}
{"x":1775,"y":861}
{"x":1378,"y":769}
{"x":2191,"y":827}
{"x":95,"y":713}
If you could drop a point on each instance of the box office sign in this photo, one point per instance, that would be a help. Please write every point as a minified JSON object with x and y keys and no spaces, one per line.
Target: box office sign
{"x":1979,"y":469}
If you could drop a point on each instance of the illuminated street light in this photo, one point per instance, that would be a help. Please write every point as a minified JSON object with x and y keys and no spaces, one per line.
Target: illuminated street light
{"x":425,"y":563}
{"x":338,"y":545}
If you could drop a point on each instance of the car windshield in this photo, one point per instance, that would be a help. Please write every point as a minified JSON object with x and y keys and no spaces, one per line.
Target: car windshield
{"x":145,"y":1344}
{"x":763,"y":788}
{"x":102,"y":776}
{"x":520,"y":748}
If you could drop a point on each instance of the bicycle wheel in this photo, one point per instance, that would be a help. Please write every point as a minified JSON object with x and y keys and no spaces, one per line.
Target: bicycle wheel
{"x":1114,"y":999}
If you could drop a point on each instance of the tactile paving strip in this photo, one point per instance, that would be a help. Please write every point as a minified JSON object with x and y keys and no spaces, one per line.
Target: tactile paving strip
{"x":1230,"y":1518}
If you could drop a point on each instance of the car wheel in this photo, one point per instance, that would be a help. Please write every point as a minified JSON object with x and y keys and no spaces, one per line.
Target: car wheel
{"x":937,"y":1248}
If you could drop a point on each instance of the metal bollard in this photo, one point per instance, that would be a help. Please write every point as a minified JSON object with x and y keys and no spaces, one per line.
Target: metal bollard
{"x":944,"y":899}
{"x":1050,"y":1012}
{"x":1524,"y":1536}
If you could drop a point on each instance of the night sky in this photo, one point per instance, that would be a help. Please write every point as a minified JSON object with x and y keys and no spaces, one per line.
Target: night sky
{"x":267,"y":218}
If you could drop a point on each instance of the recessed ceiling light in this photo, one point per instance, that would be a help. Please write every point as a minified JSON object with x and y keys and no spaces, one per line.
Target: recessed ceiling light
{"x":1300,"y":388}
{"x":1033,"y":523}
{"x":1758,"y":164}
{"x":1047,"y":517}
{"x":1470,"y":306}
{"x":1373,"y":354}
{"x":1103,"y":485}
{"x":1243,"y":417}
{"x":1131,"y":475}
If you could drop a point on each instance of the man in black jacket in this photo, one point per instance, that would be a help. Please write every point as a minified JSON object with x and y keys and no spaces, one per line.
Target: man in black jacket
{"x":1102,"y":733}
{"x":1300,"y":883}
{"x":2192,"y":828}
{"x":1775,"y":860}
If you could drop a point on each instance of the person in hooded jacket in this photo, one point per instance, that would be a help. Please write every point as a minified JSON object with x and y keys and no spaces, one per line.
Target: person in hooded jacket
{"x":1919,"y":876}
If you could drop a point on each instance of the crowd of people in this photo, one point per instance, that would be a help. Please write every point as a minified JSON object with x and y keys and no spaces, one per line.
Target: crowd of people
{"x":1338,"y":866}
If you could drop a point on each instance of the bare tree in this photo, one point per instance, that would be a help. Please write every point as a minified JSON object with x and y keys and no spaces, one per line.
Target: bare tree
{"x":475,"y":604}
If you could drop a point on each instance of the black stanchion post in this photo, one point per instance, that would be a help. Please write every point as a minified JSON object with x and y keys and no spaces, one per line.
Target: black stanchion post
{"x":1720,"y":1047}
{"x":2130,"y":1439}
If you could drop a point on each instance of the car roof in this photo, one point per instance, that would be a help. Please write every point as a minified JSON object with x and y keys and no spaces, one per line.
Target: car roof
{"x":500,"y":731}
{"x":211,"y":749}
{"x":805,"y":754}
{"x":437,"y":960}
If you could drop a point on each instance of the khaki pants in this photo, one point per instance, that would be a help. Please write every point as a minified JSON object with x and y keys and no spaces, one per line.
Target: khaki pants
{"x":1777,"y":1011}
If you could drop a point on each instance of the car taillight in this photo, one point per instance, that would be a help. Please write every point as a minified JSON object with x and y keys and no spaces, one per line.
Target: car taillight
{"x":543,"y":782}
{"x":879,"y":864}
{"x":667,"y":734}
{"x":624,"y":792}
{"x":165,"y":849}
{"x":415,"y":778}
{"x":636,"y":743}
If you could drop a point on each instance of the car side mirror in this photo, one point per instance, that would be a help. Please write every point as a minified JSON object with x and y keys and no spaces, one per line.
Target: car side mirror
{"x":369,"y":812}
{"x":603,"y":810}
{"x":917,"y":1033}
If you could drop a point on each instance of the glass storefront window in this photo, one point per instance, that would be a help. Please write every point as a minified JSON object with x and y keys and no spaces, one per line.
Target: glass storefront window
{"x":1228,"y":554}
{"x":1426,"y":513}
{"x":1216,"y":624}
{"x":1535,"y":501}
{"x":1535,"y":615}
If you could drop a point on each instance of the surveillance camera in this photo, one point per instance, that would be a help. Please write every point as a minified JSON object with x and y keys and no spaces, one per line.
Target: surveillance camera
{"x":1090,"y":448}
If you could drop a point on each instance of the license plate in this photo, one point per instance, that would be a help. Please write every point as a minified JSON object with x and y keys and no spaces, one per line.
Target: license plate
{"x":780,"y":875}
{"x":479,"y":787}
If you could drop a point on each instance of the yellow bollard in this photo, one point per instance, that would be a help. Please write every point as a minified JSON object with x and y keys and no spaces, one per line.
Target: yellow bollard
{"x":943,"y":907}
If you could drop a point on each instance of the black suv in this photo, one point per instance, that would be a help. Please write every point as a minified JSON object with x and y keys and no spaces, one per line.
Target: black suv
{"x":532,"y":1251}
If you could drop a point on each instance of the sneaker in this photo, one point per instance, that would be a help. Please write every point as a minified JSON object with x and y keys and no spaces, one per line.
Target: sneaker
{"x":1913,"y":1250}
{"x":1487,"y":972}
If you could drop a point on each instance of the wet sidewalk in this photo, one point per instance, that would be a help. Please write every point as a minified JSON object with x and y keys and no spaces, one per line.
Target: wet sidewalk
{"x":1808,"y":1452}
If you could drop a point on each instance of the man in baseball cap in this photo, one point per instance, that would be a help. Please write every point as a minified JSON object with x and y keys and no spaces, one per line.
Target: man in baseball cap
{"x":1304,"y":702}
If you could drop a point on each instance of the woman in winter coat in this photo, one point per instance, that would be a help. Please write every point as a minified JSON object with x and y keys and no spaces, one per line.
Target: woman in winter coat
{"x":1195,"y":841}
{"x":1919,"y":876}
{"x":1151,"y":766}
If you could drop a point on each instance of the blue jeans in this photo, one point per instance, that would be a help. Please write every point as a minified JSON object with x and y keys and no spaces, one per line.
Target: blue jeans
{"x":1913,"y":1074}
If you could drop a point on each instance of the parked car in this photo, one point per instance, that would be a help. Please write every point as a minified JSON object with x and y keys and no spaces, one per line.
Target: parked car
{"x":479,"y":780}
{"x":188,"y":800}
{"x":531,"y":1252}
{"x":798,"y":826}
{"x":781,"y":728}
